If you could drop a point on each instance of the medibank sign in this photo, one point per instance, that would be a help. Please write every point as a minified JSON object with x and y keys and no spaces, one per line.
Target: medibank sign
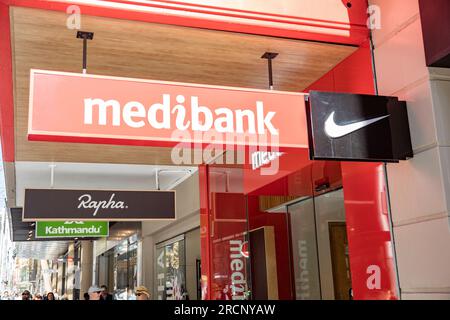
{"x":88,"y":108}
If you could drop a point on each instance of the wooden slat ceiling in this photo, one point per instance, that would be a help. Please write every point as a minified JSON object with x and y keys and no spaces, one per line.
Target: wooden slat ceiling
{"x":40,"y":39}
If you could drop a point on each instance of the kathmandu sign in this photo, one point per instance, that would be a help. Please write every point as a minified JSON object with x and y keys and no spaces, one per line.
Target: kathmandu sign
{"x":99,"y":205}
{"x":74,"y":107}
{"x":71,"y":229}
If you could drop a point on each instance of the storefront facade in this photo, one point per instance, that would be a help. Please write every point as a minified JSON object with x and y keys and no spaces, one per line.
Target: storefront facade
{"x":117,"y":268}
{"x":178,"y":267}
{"x":315,"y":229}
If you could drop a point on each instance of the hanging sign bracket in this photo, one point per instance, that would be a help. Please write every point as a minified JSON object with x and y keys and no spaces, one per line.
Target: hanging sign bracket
{"x":85,"y":36}
{"x":270,"y":56}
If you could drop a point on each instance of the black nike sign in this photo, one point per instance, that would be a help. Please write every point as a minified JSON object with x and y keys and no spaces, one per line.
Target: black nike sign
{"x":358,"y":127}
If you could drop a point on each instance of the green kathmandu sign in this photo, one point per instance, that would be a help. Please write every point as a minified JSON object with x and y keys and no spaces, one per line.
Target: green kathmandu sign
{"x":71,"y":229}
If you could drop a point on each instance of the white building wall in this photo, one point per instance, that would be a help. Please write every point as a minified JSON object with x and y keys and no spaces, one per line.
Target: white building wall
{"x":153,"y":232}
{"x":6,"y":253}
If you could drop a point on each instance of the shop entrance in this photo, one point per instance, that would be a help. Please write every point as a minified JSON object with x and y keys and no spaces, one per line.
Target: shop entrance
{"x":117,"y":269}
{"x":340,"y":261}
{"x":279,"y":236}
{"x":291,"y":235}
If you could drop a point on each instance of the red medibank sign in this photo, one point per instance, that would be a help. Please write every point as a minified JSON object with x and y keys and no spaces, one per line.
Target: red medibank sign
{"x":76,"y":107}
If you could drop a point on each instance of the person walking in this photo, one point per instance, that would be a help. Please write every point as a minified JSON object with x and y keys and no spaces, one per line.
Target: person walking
{"x":26,"y":295}
{"x":37,"y":296}
{"x":105,"y":295}
{"x":94,"y":293}
{"x":6,"y":296}
{"x":142,"y":293}
{"x":50,"y":296}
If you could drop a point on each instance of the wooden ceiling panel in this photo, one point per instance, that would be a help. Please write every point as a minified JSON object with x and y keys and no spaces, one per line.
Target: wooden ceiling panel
{"x":40,"y":39}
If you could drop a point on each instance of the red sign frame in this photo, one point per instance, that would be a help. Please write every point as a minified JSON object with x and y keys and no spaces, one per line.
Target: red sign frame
{"x":73,"y":107}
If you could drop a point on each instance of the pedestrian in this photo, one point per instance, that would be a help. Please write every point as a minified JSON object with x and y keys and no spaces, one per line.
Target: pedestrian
{"x":184,"y":293}
{"x":94,"y":293}
{"x":86,"y":296}
{"x":105,"y":294}
{"x":26,"y":295}
{"x":37,"y":296}
{"x":5,"y":295}
{"x":50,"y":296}
{"x":142,"y":293}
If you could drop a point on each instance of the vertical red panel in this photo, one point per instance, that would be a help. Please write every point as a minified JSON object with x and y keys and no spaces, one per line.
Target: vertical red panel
{"x":353,"y":75}
{"x":370,"y":245}
{"x":228,"y":223}
{"x":6,"y":87}
{"x":223,"y":224}
{"x":205,"y":245}
{"x":435,"y":21}
{"x":279,"y":221}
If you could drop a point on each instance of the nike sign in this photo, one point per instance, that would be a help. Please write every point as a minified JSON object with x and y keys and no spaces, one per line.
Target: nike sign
{"x":334,"y":121}
{"x":334,"y":130}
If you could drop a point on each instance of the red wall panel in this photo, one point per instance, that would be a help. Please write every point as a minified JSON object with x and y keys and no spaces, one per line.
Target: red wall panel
{"x":353,"y":75}
{"x":435,"y":20}
{"x":6,"y":87}
{"x":259,"y":219}
{"x":369,"y":238}
{"x":370,"y":245}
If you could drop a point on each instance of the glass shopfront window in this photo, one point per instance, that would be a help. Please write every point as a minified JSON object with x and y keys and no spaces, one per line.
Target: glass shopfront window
{"x":320,"y":262}
{"x":171,"y":269}
{"x":305,"y":263}
{"x":117,"y":269}
{"x":230,"y":265}
{"x":280,"y":236}
{"x":77,"y":271}
{"x":125,"y":269}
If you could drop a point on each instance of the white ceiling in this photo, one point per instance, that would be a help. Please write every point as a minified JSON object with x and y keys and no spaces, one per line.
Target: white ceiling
{"x":96,"y":176}
{"x":41,"y":249}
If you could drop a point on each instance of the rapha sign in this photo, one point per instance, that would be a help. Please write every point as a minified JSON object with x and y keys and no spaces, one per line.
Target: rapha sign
{"x":101,"y":205}
{"x":86,"y":202}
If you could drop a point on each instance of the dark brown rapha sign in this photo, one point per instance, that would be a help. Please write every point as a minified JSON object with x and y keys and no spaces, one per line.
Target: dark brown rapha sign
{"x":52,"y":204}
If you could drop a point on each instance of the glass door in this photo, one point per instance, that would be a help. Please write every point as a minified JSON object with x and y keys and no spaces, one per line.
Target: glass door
{"x":171,"y":269}
{"x":305,"y":261}
{"x":320,"y":248}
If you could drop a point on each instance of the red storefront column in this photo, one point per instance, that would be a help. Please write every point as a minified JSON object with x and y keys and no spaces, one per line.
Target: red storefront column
{"x":6,"y":87}
{"x":372,"y":262}
{"x":205,"y":245}
{"x":371,"y":252}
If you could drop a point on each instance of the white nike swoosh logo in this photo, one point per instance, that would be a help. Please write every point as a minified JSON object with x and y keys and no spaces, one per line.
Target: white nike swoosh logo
{"x":334,"y":130}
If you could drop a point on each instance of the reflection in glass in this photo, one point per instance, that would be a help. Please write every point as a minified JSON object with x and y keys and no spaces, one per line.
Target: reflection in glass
{"x":171,"y":271}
